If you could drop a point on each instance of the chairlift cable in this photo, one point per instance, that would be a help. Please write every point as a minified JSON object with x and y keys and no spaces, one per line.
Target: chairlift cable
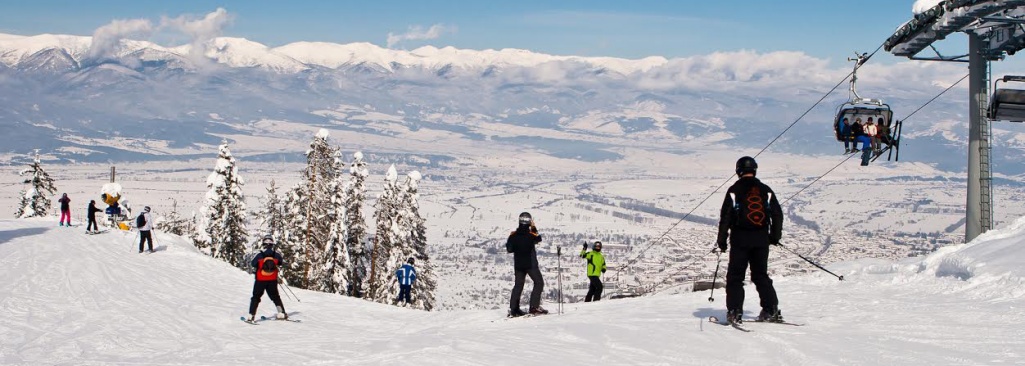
{"x":665,"y":233}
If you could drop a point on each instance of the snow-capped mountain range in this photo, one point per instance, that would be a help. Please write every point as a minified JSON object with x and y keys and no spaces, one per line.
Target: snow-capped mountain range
{"x":82,"y":99}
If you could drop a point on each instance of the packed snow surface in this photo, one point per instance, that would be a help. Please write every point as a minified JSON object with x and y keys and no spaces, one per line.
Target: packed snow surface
{"x":71,"y":298}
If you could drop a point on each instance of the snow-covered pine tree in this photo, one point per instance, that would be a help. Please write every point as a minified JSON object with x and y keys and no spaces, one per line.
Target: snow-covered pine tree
{"x":386,"y":255}
{"x":332,"y":273}
{"x":311,"y":226}
{"x":293,"y":236}
{"x":224,"y":219}
{"x":272,"y":217}
{"x":35,"y":200}
{"x":356,"y":222}
{"x":411,"y":220}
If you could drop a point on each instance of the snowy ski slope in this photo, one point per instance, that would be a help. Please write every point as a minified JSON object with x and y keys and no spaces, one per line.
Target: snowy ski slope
{"x":73,"y":299}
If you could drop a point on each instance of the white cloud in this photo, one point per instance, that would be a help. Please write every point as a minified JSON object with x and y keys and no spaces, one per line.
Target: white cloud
{"x":417,"y":32}
{"x":200,"y":30}
{"x":107,"y":38}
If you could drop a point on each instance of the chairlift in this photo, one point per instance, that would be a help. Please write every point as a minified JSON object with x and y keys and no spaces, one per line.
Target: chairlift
{"x":1007,"y":104}
{"x":864,"y":109}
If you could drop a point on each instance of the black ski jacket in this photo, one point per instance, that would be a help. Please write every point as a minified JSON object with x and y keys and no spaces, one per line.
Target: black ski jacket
{"x":91,"y":211}
{"x":522,"y":244}
{"x":727,"y":217}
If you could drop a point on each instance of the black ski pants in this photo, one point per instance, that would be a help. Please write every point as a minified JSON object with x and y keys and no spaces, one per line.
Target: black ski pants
{"x":145,"y":237}
{"x":757,"y":255}
{"x":404,"y":294}
{"x":535,"y":294}
{"x":271,"y":287}
{"x":92,"y":224}
{"x":594,"y":290}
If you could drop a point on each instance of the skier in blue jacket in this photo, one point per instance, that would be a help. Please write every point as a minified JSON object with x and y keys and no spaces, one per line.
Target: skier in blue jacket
{"x":406,"y":276}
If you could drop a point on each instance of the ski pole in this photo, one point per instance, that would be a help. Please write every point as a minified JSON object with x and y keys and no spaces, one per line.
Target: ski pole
{"x":558,"y":251}
{"x":286,"y":293}
{"x":715,"y":276}
{"x":812,"y":263}
{"x":293,"y":293}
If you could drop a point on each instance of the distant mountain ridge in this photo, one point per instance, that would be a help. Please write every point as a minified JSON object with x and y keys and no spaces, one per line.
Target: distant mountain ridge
{"x":139,"y":100}
{"x":20,"y":51}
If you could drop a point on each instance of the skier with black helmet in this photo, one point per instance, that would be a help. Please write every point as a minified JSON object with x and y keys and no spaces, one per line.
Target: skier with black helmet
{"x":90,"y":215}
{"x":595,"y":268}
{"x":145,"y":224}
{"x":267,"y":264}
{"x":752,"y":219}
{"x":522,"y":244}
{"x":406,"y":276}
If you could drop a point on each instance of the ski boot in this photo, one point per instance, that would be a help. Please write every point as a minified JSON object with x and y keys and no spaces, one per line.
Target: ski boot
{"x":282,"y":315}
{"x":516,"y":312}
{"x":538,"y":311}
{"x":735,"y":316}
{"x":771,"y":316}
{"x":846,"y":151}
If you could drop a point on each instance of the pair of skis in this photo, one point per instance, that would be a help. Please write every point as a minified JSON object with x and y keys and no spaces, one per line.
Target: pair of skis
{"x":263,"y":318}
{"x":741,"y":328}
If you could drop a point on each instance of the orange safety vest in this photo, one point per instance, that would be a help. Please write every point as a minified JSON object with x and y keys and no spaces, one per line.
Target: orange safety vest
{"x":262,"y":275}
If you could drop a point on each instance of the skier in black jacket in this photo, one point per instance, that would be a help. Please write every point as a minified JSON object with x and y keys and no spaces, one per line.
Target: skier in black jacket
{"x":752,"y":219}
{"x":521,"y":243}
{"x":91,"y":215}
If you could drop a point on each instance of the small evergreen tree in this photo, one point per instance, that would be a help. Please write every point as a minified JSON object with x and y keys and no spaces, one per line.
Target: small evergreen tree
{"x":175,"y":224}
{"x":35,"y":200}
{"x":356,"y":223}
{"x":293,"y":236}
{"x":224,"y":226}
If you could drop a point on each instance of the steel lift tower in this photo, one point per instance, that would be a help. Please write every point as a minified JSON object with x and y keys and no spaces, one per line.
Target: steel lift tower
{"x":995,"y":29}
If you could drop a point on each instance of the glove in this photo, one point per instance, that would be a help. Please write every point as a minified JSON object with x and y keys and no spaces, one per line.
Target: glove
{"x":776,"y":243}
{"x":585,"y":246}
{"x":722,"y":247}
{"x":603,"y":270}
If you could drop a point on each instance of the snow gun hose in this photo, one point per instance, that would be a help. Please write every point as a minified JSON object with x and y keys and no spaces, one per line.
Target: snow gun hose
{"x":715,"y":276}
{"x":812,"y":263}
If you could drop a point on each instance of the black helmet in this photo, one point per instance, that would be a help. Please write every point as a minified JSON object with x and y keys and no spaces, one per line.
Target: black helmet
{"x":746,"y":164}
{"x":268,"y":241}
{"x":410,"y":260}
{"x":146,"y":209}
{"x":525,"y":218}
{"x":597,"y":246}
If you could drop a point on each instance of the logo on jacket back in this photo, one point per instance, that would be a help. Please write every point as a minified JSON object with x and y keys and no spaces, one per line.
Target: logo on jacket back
{"x":750,"y":209}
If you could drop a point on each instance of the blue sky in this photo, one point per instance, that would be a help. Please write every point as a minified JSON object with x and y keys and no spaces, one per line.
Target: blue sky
{"x":629,"y":29}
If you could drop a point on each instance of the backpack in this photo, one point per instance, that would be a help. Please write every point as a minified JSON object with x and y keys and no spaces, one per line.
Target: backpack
{"x":750,"y":207}
{"x":269,"y":265}
{"x":140,"y":221}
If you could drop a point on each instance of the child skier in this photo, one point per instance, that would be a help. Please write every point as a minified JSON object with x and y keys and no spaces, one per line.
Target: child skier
{"x":267,"y":263}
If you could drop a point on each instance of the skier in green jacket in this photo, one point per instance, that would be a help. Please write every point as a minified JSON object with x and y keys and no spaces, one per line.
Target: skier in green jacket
{"x":595,"y":267}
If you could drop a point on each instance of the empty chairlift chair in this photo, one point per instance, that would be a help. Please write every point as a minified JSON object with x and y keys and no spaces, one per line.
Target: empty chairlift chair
{"x":1007,"y":104}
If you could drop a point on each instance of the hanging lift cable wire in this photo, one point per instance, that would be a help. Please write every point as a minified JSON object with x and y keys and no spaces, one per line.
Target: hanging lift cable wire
{"x":799,"y":118}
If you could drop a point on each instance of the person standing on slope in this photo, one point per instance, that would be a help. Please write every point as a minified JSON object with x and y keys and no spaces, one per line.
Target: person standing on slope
{"x":752,"y":219}
{"x":595,"y":268}
{"x":90,"y":214}
{"x":267,"y":264}
{"x":406,"y":276}
{"x":65,"y":209}
{"x":145,"y":224}
{"x":522,"y":244}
